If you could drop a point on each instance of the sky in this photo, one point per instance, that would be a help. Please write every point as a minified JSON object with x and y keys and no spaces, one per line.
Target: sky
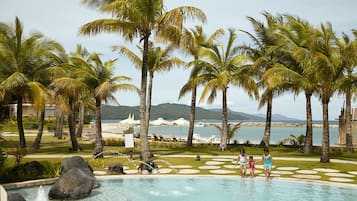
{"x":60,"y":20}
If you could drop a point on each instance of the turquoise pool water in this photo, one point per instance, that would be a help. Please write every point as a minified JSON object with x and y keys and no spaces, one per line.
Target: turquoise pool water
{"x":211,"y":189}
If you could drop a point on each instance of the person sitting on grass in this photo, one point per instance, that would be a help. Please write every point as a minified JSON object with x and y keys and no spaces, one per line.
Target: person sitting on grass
{"x":242,"y":158}
{"x":268,"y":163}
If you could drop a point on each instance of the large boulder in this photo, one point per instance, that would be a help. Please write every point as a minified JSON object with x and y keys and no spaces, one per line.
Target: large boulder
{"x":76,"y":162}
{"x":76,"y":180}
{"x":115,"y":169}
{"x":147,"y":166}
{"x":15,"y":197}
{"x":74,"y":184}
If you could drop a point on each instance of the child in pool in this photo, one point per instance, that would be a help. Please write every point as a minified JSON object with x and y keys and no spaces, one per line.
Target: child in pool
{"x":268,"y":163}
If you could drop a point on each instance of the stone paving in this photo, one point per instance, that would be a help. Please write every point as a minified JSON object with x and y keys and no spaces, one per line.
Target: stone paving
{"x":228,"y":166}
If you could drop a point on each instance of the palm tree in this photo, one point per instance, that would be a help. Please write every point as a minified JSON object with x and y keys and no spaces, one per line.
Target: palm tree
{"x":290,"y":73}
{"x":52,"y":70}
{"x":100,"y":80}
{"x":68,"y":91}
{"x":328,"y":70}
{"x":24,"y":62}
{"x":265,"y":53}
{"x":232,"y":129}
{"x":347,"y":84}
{"x":141,"y":18}
{"x":224,"y":67}
{"x":295,"y":141}
{"x":192,"y":42}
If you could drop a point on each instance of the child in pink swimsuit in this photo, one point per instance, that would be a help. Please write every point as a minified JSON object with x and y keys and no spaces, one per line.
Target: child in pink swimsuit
{"x":251,"y":164}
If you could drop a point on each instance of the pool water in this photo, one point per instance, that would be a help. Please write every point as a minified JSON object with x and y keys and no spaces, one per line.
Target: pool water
{"x":210,"y":189}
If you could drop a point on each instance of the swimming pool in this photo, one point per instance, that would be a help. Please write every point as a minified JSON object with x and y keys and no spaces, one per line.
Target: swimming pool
{"x":209,"y":189}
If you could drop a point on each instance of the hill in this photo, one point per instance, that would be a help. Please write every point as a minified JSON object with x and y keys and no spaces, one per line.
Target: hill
{"x":170,"y":112}
{"x":278,"y":117}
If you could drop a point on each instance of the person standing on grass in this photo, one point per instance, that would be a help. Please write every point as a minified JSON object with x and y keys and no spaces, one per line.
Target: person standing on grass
{"x":251,"y":164}
{"x":242,"y":158}
{"x":268,"y":163}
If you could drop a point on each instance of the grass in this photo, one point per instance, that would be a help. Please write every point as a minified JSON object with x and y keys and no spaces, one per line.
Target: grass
{"x":52,"y":146}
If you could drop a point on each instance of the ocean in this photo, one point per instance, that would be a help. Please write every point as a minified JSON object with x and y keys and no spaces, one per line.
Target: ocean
{"x":253,"y":134}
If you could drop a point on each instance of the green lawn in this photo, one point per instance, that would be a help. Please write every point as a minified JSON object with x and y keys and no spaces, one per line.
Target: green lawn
{"x":52,"y":146}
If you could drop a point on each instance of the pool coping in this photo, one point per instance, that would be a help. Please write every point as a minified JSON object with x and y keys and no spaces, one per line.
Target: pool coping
{"x":3,"y":193}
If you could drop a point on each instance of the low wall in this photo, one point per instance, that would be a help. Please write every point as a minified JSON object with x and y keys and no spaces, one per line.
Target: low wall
{"x":29,"y":183}
{"x":3,"y":194}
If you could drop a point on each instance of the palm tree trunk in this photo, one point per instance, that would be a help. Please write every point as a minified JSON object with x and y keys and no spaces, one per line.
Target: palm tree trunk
{"x":308,"y":136}
{"x":59,"y":123}
{"x":37,"y":142}
{"x":98,"y":147}
{"x":145,"y":151}
{"x":72,"y":126}
{"x":20,"y":125}
{"x":349,"y":145}
{"x":148,"y":101}
{"x":325,"y":148}
{"x":192,"y":116}
{"x":81,"y":119}
{"x":224,"y":136}
{"x":266,"y":137}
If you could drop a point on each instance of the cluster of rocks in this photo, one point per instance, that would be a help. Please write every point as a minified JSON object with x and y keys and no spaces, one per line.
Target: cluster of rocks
{"x":77,"y":179}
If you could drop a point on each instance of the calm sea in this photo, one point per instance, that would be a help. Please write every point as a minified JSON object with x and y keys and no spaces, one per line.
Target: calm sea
{"x":252,"y":133}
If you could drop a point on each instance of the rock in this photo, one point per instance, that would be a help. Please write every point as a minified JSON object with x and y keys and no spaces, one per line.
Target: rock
{"x":73,"y":184}
{"x":148,"y":165}
{"x":76,"y":180}
{"x":15,"y":197}
{"x":78,"y":162}
{"x":33,"y":168}
{"x":116,"y":169}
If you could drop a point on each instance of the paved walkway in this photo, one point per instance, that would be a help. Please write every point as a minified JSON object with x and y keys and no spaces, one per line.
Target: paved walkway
{"x":226,"y":165}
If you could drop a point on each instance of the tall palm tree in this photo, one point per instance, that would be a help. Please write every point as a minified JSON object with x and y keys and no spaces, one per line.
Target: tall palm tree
{"x":294,"y":38}
{"x":328,"y":69}
{"x":224,"y":67}
{"x":141,"y":18}
{"x":52,"y":70}
{"x":192,"y":42}
{"x":23,"y":61}
{"x":347,"y":84}
{"x":265,"y":53}
{"x":100,"y":80}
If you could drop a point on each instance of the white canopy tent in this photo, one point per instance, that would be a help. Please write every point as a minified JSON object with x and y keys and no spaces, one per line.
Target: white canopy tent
{"x":181,"y":122}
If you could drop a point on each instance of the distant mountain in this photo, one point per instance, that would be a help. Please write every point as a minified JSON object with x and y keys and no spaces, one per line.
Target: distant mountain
{"x":245,"y":115}
{"x":171,"y":111}
{"x":278,"y":117}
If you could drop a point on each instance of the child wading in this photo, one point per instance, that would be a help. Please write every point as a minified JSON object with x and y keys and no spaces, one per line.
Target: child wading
{"x":242,"y":163}
{"x":268,"y":163}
